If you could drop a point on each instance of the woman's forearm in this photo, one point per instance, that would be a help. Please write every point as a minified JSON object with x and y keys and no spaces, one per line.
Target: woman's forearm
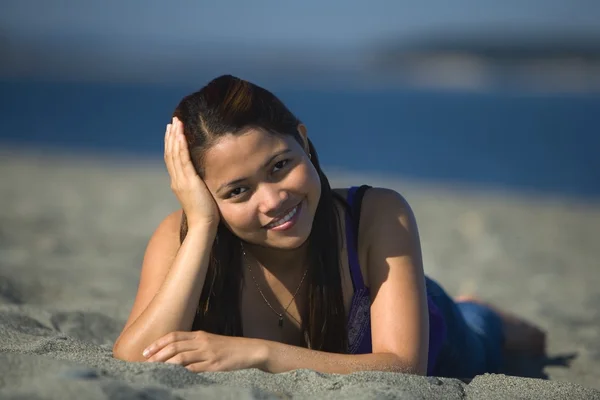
{"x":174,"y":306}
{"x":279,"y":357}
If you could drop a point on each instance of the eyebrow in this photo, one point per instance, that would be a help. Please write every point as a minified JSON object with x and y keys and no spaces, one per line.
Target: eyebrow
{"x":265,"y":164}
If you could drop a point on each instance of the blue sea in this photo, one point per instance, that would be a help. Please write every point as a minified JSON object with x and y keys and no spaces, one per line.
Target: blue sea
{"x":520,"y":142}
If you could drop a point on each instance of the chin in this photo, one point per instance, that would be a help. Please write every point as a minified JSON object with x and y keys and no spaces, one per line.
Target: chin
{"x":288,"y":243}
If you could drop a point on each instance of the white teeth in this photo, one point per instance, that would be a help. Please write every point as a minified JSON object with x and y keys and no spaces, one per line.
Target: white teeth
{"x":285,"y":219}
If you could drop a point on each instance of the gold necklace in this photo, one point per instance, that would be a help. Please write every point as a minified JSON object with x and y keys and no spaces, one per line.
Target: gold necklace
{"x":280,"y":315}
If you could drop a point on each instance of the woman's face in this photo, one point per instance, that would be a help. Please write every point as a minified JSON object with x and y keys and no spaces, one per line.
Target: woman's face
{"x":265,"y":186}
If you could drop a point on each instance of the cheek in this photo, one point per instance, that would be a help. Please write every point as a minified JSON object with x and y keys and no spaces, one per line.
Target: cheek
{"x":306,"y":180}
{"x":314,"y":181}
{"x":307,"y":176}
{"x":237,"y":216}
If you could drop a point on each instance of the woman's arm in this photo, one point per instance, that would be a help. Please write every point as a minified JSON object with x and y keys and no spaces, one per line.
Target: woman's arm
{"x":399,"y":310}
{"x":172,"y":275}
{"x":171,"y":282}
{"x":279,"y":357}
{"x":202,"y":351}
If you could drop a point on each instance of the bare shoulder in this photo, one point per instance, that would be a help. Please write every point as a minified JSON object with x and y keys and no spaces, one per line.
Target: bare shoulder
{"x":162,"y":248}
{"x":167,"y":231}
{"x":383,"y":204}
{"x":388,"y":223}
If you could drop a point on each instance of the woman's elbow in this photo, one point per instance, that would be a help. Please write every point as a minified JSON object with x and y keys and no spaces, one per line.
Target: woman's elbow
{"x":121,"y":351}
{"x":407,"y":366}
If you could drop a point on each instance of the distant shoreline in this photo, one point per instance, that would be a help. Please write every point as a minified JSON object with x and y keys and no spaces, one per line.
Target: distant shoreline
{"x":468,"y":62}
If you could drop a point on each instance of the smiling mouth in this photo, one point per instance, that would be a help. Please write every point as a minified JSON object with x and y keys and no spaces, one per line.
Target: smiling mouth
{"x":280,"y":221}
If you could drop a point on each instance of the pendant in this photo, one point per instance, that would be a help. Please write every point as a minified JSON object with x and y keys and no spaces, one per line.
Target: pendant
{"x":281,"y":321}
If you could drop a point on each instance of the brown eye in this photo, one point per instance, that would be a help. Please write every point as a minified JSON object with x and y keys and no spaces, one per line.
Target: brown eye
{"x":236,"y":192}
{"x":279,"y":165}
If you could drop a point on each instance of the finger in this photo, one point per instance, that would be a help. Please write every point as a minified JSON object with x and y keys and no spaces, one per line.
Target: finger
{"x":177,"y":165}
{"x":167,"y":156}
{"x":208,"y":366}
{"x":186,"y":358}
{"x":184,"y":155}
{"x":172,"y":149}
{"x":165,"y":138}
{"x":166,"y":340}
{"x":172,"y":350}
{"x":203,"y":366}
{"x":168,"y":139}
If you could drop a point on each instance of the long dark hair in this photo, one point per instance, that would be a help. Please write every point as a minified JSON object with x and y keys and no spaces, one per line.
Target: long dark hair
{"x":229,"y":105}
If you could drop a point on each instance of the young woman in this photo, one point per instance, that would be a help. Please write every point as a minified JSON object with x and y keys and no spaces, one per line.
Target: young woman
{"x":266,"y":266}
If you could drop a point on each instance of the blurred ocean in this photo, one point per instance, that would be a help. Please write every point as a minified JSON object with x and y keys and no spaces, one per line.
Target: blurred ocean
{"x":522,"y":142}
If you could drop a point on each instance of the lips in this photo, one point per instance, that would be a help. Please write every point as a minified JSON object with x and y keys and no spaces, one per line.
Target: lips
{"x":288,"y":215}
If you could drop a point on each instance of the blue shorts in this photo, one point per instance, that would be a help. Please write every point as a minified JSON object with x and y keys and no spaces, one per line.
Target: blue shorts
{"x":474,"y":337}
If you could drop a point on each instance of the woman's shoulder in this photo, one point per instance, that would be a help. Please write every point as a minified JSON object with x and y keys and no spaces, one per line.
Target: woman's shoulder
{"x":379,"y":201}
{"x":386,"y":224}
{"x":166,"y":234}
{"x":382,"y":208}
{"x":171,"y":223}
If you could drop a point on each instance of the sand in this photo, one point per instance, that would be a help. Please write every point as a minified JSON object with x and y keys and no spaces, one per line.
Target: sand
{"x":73,"y":231}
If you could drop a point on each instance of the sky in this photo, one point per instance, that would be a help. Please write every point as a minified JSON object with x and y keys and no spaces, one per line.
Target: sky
{"x":302,"y":23}
{"x":119,"y":36}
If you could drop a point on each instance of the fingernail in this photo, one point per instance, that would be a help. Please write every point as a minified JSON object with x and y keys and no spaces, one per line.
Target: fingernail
{"x":146,"y":353}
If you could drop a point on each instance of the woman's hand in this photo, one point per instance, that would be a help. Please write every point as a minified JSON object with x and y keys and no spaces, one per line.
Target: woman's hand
{"x":193,"y":195}
{"x":201,"y":351}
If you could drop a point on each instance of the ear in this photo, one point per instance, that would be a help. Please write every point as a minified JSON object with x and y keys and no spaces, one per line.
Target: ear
{"x":304,"y":135}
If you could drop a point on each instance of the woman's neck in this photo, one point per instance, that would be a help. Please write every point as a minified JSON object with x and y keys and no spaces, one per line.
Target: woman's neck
{"x":279,"y":262}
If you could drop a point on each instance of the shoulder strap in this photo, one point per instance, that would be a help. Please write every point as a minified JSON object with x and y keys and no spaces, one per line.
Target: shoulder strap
{"x":356,"y":207}
{"x":354,"y":200}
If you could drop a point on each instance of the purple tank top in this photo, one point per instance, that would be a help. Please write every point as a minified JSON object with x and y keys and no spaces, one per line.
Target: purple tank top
{"x":359,"y":317}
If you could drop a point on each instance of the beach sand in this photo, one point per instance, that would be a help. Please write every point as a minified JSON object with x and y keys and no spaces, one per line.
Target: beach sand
{"x":73,"y":231}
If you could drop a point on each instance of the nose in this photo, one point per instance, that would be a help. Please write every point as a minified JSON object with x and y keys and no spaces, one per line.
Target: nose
{"x":272,"y":199}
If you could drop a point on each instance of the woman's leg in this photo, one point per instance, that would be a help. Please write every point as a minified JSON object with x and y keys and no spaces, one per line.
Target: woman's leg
{"x":474,"y":337}
{"x":478,"y":334}
{"x":519,"y":335}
